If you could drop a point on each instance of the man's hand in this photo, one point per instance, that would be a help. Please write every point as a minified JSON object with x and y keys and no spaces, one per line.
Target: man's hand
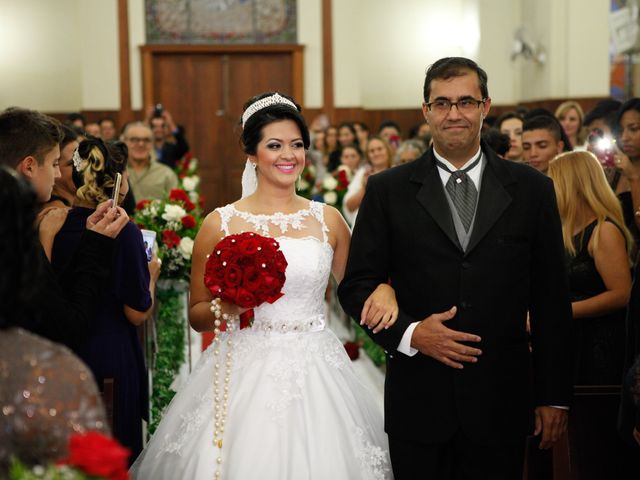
{"x":552,"y":422}
{"x":380,"y":310}
{"x":107,"y":220}
{"x":432,"y":338}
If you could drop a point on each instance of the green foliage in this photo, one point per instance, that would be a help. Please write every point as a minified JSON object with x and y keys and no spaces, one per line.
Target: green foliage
{"x":171,"y":332}
{"x":372,"y":349}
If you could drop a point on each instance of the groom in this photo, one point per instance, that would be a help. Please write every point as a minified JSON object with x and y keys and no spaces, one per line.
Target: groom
{"x":470,"y":243}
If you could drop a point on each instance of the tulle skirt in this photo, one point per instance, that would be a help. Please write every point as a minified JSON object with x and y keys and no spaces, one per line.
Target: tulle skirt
{"x":296,"y":410}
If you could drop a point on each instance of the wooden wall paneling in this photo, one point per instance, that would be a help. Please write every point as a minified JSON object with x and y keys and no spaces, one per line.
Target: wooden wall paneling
{"x":125,"y":114}
{"x":204,"y":87}
{"x":327,"y":60}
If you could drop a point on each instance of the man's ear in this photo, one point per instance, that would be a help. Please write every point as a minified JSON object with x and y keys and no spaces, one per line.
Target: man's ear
{"x":560,"y":146}
{"x":27,"y":166}
{"x":425,"y":109}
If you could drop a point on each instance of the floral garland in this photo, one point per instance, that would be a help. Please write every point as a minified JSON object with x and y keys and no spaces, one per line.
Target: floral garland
{"x":176,"y":220}
{"x":334,"y":187}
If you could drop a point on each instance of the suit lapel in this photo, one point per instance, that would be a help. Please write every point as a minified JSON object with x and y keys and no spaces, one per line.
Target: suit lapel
{"x":432,"y":197}
{"x":494,"y":199}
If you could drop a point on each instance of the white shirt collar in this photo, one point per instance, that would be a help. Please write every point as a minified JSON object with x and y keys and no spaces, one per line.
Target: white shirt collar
{"x":474,"y":174}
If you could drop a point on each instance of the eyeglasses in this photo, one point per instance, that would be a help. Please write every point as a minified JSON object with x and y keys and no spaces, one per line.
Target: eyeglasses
{"x":139,"y":140}
{"x":464,"y":105}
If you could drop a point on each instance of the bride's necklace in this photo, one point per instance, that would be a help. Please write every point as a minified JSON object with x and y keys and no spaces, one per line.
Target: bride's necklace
{"x":220,"y":388}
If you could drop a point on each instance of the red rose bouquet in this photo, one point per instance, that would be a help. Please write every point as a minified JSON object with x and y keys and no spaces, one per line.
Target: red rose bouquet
{"x":91,"y":456}
{"x":247,"y":270}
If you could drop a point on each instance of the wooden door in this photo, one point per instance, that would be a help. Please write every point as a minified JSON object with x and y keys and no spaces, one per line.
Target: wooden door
{"x":204,"y":88}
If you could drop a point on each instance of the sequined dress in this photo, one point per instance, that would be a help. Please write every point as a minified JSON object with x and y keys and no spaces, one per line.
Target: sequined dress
{"x":296,"y":408}
{"x":46,"y":394}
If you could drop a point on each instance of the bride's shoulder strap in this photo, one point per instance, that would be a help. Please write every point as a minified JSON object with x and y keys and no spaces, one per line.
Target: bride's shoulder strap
{"x":226,"y":213}
{"x":317,"y":210}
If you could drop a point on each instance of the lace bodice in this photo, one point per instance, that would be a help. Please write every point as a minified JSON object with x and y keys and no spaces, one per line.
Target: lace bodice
{"x":303,"y":241}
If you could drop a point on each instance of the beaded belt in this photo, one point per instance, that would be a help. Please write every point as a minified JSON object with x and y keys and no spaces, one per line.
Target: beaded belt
{"x":315,"y":323}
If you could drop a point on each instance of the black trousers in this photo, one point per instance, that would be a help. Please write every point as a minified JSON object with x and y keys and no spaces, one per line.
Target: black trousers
{"x":456,"y":459}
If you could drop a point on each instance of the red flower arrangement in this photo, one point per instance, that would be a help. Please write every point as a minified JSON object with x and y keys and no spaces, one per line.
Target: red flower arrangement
{"x":98,"y":456}
{"x":247,"y":270}
{"x":179,"y":195}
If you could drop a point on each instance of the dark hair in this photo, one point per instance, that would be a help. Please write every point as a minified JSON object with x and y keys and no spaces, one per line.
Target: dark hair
{"x":539,"y":118}
{"x":68,"y":135}
{"x":543,"y":122}
{"x":353,"y":146}
{"x":102,"y":160}
{"x":106,"y":119}
{"x":352,"y":129}
{"x":605,"y":110}
{"x":252,"y":130}
{"x":449,"y":67}
{"x":506,"y":116}
{"x":26,"y":133}
{"x":72,"y":117}
{"x":363,"y":126}
{"x":631,"y":104}
{"x":498,"y":141}
{"x":389,"y":123}
{"x":19,"y":255}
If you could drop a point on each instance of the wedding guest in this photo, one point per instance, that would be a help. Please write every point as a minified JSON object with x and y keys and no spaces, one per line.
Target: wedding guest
{"x":510,"y":123}
{"x":148,"y":178}
{"x":498,"y":141}
{"x":541,"y":141}
{"x":603,"y":116}
{"x":29,"y":143}
{"x":627,"y":130}
{"x":570,"y":116}
{"x":351,"y":157}
{"x":77,"y":120}
{"x":598,"y":249}
{"x":408,"y":151}
{"x":64,"y":191}
{"x":92,"y":129}
{"x":346,"y":136}
{"x":169,"y":141}
{"x":379,"y":155}
{"x":112,"y":349}
{"x":362,"y":132}
{"x":108,"y":130}
{"x":46,"y":392}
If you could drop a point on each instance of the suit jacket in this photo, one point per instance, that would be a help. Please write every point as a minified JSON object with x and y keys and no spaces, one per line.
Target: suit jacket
{"x":514,"y":263}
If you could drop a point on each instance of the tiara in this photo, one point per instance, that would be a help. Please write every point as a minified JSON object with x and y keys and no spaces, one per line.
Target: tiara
{"x":275,"y":99}
{"x":77,"y":160}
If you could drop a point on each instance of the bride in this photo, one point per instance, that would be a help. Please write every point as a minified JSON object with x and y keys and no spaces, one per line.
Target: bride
{"x":279,"y":400}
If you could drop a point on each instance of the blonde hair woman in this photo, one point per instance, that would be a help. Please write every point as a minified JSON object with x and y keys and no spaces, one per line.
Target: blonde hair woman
{"x":598,"y":249}
{"x":571,"y":116}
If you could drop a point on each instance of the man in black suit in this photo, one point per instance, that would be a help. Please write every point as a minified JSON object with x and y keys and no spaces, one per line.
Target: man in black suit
{"x":469,"y":254}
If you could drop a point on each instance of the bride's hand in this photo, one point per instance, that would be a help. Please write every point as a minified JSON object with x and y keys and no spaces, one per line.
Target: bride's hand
{"x":232,"y":308}
{"x":380,"y":309}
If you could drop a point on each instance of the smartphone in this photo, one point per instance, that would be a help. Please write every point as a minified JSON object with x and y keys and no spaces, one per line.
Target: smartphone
{"x":157,"y":110}
{"x":602,"y":146}
{"x":149,"y":239}
{"x":116,"y":190}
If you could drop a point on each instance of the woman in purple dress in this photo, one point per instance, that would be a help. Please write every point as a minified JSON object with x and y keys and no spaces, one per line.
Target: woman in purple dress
{"x":112,"y":349}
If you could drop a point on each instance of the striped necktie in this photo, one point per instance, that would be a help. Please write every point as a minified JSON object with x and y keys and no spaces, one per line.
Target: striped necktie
{"x":462,"y":191}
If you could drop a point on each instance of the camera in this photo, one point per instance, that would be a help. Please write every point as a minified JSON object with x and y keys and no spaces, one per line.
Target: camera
{"x":157,"y":110}
{"x":602,"y":146}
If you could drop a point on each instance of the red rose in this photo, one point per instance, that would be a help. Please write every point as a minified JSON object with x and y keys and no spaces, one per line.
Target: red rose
{"x":188,"y":221}
{"x":98,"y":455}
{"x":170,"y":238}
{"x":245,"y":298}
{"x":232,"y":275}
{"x":189,"y":205}
{"x":353,"y":350}
{"x":178,"y":194}
{"x":249,"y":246}
{"x":142,"y":203}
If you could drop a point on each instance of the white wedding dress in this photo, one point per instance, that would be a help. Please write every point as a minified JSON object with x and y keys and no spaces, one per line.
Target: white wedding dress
{"x":296,"y":408}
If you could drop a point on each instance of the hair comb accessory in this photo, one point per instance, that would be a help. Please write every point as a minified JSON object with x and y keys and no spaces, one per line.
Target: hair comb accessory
{"x":275,"y":99}
{"x":77,"y":160}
